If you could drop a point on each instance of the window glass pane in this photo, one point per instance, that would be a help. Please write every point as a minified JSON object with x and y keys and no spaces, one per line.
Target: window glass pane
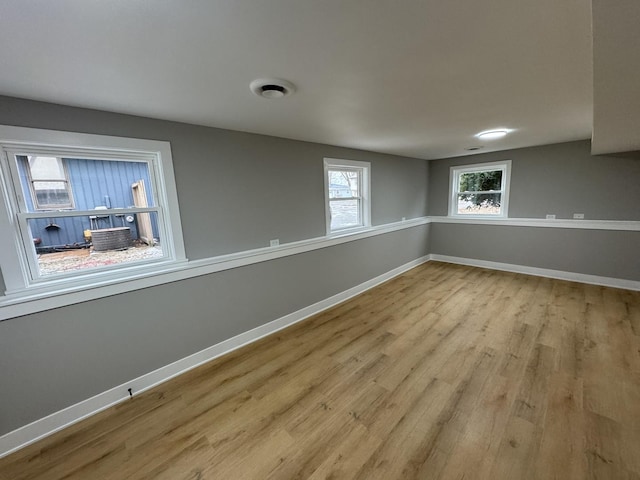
{"x":344,"y":183}
{"x":345,"y":214}
{"x":53,"y":194}
{"x":480,"y":181}
{"x":479,"y":204}
{"x":45,"y":168}
{"x":91,"y":184}
{"x":67,"y":244}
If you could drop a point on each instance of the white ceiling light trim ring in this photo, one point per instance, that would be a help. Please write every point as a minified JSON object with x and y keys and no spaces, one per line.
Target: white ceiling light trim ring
{"x":493,"y":134}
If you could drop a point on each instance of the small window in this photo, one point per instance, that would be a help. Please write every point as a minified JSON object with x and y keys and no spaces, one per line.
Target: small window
{"x":84,"y":208}
{"x":347,"y":195}
{"x":49,"y":182}
{"x":480,"y":190}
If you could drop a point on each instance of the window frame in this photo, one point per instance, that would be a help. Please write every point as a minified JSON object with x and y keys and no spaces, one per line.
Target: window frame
{"x":454,"y":182}
{"x":364,"y":199}
{"x":18,"y":260}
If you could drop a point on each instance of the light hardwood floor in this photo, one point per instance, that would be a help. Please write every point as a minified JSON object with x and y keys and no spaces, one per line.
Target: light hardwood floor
{"x":446,"y":372}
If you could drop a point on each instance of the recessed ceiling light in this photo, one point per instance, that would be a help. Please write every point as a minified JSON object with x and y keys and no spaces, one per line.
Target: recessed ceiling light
{"x":272,"y":87}
{"x":492,"y":134}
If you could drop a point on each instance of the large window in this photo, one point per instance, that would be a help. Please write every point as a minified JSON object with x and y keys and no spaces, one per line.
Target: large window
{"x":83,"y":209}
{"x":347,"y":194}
{"x":480,"y":190}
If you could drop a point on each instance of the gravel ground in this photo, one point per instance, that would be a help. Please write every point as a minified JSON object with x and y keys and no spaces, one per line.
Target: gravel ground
{"x":478,"y":209}
{"x":71,"y":260}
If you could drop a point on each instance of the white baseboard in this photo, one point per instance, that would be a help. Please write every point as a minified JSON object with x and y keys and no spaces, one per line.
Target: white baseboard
{"x":541,"y":272}
{"x":50,"y":424}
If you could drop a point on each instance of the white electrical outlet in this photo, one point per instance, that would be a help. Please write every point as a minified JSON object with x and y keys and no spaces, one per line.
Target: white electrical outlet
{"x":274,"y":243}
{"x":578,"y":216}
{"x":551,"y":217}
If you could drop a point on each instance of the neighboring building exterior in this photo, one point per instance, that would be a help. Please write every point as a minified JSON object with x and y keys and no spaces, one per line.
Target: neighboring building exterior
{"x":62,"y":184}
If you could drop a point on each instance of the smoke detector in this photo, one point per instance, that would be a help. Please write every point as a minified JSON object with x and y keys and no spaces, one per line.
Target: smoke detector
{"x":272,"y":87}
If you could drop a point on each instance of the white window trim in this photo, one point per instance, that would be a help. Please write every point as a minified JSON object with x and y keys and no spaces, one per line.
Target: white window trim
{"x":454,"y":175}
{"x":365,"y":194}
{"x":14,"y":262}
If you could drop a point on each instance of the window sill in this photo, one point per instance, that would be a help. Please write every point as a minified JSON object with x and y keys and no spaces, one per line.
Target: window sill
{"x":347,"y":231}
{"x":477,"y":217}
{"x":30,"y":300}
{"x":90,"y":281}
{"x":627,"y":225}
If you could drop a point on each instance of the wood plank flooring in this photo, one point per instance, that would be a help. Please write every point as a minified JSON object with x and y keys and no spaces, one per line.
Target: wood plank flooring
{"x":445,"y":372}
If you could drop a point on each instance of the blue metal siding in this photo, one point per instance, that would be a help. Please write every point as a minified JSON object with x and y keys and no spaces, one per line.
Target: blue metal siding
{"x":94,"y":183}
{"x":105,"y":183}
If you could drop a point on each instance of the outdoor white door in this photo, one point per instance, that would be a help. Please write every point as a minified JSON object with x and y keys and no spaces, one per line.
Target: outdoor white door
{"x":145,"y":232}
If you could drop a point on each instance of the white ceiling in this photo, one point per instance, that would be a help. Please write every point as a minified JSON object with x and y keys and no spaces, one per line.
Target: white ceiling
{"x":410,"y":77}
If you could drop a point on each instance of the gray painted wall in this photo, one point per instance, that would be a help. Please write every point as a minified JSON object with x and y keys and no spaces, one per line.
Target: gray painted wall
{"x":236,"y":191}
{"x":616,"y":73}
{"x":54,"y":359}
{"x":594,"y":252}
{"x":239,"y":190}
{"x":560,"y":179}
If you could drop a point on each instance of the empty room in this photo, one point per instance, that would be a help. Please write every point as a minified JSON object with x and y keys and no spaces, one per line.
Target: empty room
{"x":298,"y":239}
